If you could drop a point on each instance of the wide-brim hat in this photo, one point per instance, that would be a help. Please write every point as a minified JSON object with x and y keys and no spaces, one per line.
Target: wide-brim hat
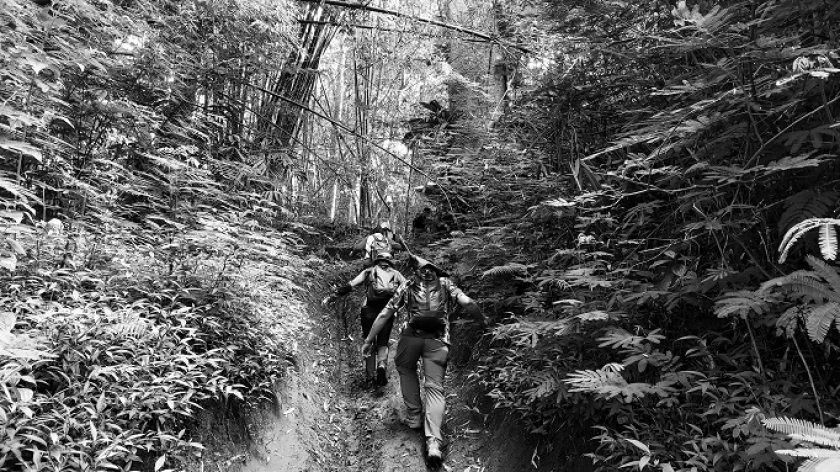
{"x":419,"y":262}
{"x":384,"y":256}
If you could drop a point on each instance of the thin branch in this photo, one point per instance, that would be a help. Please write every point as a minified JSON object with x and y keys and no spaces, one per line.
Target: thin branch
{"x":810,"y":379}
{"x":788,"y":127}
{"x":293,"y":138}
{"x":337,"y":125}
{"x":420,"y":19}
{"x":382,"y":28}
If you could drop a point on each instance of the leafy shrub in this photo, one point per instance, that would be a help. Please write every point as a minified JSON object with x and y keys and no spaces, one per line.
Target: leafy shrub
{"x":105,"y":368}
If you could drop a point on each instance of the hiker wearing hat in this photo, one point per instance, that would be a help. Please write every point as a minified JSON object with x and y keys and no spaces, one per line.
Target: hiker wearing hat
{"x":381,"y":281}
{"x":428,"y":298}
{"x":382,"y":240}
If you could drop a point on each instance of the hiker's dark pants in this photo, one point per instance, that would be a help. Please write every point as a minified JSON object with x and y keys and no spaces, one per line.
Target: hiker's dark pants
{"x":368,"y":315}
{"x":412,"y":347}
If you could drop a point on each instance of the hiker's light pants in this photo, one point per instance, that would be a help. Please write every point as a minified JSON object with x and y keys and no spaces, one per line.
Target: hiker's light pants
{"x":434,"y":353}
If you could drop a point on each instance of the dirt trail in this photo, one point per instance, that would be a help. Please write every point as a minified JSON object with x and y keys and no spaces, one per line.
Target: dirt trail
{"x":329,"y":420}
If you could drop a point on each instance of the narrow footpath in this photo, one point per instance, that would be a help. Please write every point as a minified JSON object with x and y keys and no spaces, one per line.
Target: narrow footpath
{"x":328,"y":419}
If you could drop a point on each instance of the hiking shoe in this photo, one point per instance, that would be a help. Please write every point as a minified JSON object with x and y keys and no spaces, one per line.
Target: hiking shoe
{"x":433,"y":449}
{"x":381,"y":375}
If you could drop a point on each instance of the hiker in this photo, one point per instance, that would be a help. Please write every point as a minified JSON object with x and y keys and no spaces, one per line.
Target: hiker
{"x":424,"y":222}
{"x":382,"y":240}
{"x":428,"y":297}
{"x":381,"y":280}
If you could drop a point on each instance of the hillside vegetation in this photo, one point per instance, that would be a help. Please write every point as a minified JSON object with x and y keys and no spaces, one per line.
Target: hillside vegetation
{"x":649,"y":217}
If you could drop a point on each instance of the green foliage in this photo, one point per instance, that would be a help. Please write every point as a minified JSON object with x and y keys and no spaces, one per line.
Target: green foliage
{"x":827,"y":236}
{"x":106,"y":367}
{"x":819,"y":292}
{"x":826,"y":457}
{"x":695,"y":137}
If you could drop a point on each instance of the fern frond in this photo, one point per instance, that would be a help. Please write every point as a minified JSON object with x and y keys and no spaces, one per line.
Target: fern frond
{"x":136,"y":328}
{"x":621,"y":339}
{"x":743,"y":302}
{"x":546,"y":384}
{"x":828,"y":242}
{"x":592,"y":380}
{"x":799,"y":230}
{"x":596,"y":315}
{"x":804,"y":431}
{"x":830,"y":274}
{"x":787,"y":322}
{"x":810,"y":452}
{"x":818,"y":320}
{"x":805,"y":285}
{"x":508,"y":270}
{"x":611,"y":384}
{"x":819,"y":465}
{"x":804,"y":205}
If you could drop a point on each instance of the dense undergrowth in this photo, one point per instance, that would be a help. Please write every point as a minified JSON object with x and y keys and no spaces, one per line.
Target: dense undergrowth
{"x":105,"y":363}
{"x":663,"y":259}
{"x":652,"y":225}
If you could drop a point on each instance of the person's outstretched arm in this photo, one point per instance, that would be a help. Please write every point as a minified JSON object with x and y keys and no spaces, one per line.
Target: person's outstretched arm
{"x":368,"y":246}
{"x":469,"y":305}
{"x":348,"y":287}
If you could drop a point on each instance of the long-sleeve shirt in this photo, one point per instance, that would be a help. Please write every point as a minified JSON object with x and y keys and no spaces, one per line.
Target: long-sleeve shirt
{"x":419,"y":298}
{"x":364,"y":277}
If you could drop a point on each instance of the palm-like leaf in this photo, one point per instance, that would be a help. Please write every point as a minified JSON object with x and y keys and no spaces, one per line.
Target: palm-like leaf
{"x":546,"y":383}
{"x":804,"y":430}
{"x":820,"y":465}
{"x":820,"y":290}
{"x":828,"y":273}
{"x":621,"y":339}
{"x":743,"y":302}
{"x":810,"y":452}
{"x":804,"y":284}
{"x":787,"y":322}
{"x":508,"y":270}
{"x":820,"y":459}
{"x":806,"y":204}
{"x":828,"y":242}
{"x":828,"y":237}
{"x":820,"y":318}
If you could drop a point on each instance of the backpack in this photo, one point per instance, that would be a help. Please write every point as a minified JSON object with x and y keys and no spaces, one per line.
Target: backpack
{"x":381,"y":284}
{"x":431,"y":315}
{"x":378,"y":244}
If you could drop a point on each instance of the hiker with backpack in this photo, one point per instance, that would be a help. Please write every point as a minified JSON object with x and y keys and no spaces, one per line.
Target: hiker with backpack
{"x":428,"y":298}
{"x":382,"y":240}
{"x":381,"y":281}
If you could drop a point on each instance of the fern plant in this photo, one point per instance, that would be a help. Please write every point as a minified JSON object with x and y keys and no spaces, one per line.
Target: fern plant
{"x":823,"y":444}
{"x":819,"y":289}
{"x":827,"y":237}
{"x":806,"y":204}
{"x":512,"y":269}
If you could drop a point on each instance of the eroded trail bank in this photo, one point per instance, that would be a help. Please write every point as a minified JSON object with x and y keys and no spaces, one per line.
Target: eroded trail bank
{"x":330,"y":419}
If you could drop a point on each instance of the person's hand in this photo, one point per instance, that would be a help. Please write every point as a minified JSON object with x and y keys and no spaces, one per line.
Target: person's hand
{"x":367,"y":348}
